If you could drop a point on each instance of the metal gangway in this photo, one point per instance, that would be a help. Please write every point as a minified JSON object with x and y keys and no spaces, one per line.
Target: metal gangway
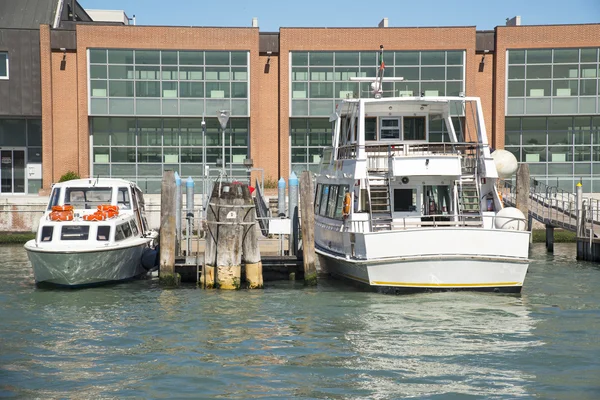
{"x":555,"y":207}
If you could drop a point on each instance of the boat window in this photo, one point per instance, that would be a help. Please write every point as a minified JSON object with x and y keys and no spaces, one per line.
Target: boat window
{"x":370,"y":128}
{"x":47,"y":234}
{"x":134,"y":228}
{"x":103,"y":233}
{"x":390,"y":128}
{"x":414,"y":128}
{"x":333,"y":189}
{"x":438,"y":198}
{"x":123,"y":200}
{"x":318,"y":198}
{"x":323,"y":203}
{"x":87,"y":198}
{"x":126,"y":229}
{"x":75,"y":232}
{"x":340,"y":201}
{"x":119,"y":235}
{"x":54,"y":197}
{"x":405,"y":200}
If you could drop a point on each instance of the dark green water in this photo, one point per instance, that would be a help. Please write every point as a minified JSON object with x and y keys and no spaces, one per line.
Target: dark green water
{"x":136,"y":340}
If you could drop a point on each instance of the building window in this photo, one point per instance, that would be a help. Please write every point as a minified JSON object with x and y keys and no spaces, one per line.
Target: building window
{"x":320,"y":79}
{"x":552,"y":81}
{"x":308,"y":137}
{"x":3,"y":65}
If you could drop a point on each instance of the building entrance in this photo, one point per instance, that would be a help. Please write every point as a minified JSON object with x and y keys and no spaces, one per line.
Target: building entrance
{"x":12,"y":171}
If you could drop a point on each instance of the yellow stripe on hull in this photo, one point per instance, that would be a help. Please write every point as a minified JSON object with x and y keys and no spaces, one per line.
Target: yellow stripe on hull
{"x":433,"y":285}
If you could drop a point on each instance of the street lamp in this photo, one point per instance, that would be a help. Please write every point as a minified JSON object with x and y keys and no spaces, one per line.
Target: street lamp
{"x":223,"y":116}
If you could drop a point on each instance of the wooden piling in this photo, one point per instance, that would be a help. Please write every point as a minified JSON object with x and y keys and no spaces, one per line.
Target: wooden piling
{"x":308,"y":228}
{"x":550,"y":238}
{"x":250,"y":249}
{"x":522,"y":199}
{"x":168,"y":231}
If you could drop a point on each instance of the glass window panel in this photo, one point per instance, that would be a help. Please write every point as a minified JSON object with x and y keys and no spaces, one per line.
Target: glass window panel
{"x":239,"y":74}
{"x":191,"y":89}
{"x":239,"y":58}
{"x":191,"y":73}
{"x":120,"y":89}
{"x":566,"y":55}
{"x":98,"y":72}
{"x":299,"y":107}
{"x":299,"y":90}
{"x":564,"y":106}
{"x":515,"y":106}
{"x":120,"y":106}
{"x":122,"y":154}
{"x":346,"y":58}
{"x":149,"y":131}
{"x":560,"y":169}
{"x":120,"y":71}
{"x":583,"y":169}
{"x":583,"y":153}
{"x":368,"y":72}
{"x":345,"y":90}
{"x":216,"y":58}
{"x":589,"y":71}
{"x":120,"y":56}
{"x":514,"y":124}
{"x":191,"y":107}
{"x":217,"y":73}
{"x":99,"y":106}
{"x":171,"y":132}
{"x":408,"y":73}
{"x":321,"y":107}
{"x":589,"y":55}
{"x":539,"y":71}
{"x":191,"y":58}
{"x":239,"y":107}
{"x":216,"y":104}
{"x":98,"y":56}
{"x":560,"y":124}
{"x":433,"y":73}
{"x":320,"y":58}
{"x":299,"y":74}
{"x":168,"y":57}
{"x":512,"y":138}
{"x":516,"y":56}
{"x":541,"y":56}
{"x":344,"y":74}
{"x":299,"y":58}
{"x":150,"y":154}
{"x":102,"y":170}
{"x":516,"y":88}
{"x":123,"y":170}
{"x":433,"y":58}
{"x":433,"y":88}
{"x":321,"y":90}
{"x":454,"y":57}
{"x":534,"y":138}
{"x":406,"y":88}
{"x":454,"y":88}
{"x":191,"y":155}
{"x":169,"y":89}
{"x":123,"y":131}
{"x":149,"y":170}
{"x":147,"y":57}
{"x":565,"y":88}
{"x":537,"y":169}
{"x":98,"y":88}
{"x":239,"y":90}
{"x":147,"y":89}
{"x":370,"y":58}
{"x":147,"y":73}
{"x":565,"y":71}
{"x":454,"y":73}
{"x":321,"y":74}
{"x":538,"y":106}
{"x":588,"y":87}
{"x":218,"y":90}
{"x":596,"y":155}
{"x":516,"y":72}
{"x":538,"y":88}
{"x":559,"y":137}
{"x":169,"y":73}
{"x":534,"y":154}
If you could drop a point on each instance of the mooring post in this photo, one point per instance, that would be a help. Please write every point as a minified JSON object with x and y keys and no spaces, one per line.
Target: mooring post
{"x":250,"y":249}
{"x":308,"y":228}
{"x":579,"y":205}
{"x":293,"y":213}
{"x":189,"y":201}
{"x":178,"y":213}
{"x":522,"y":198}
{"x":281,"y":197}
{"x":207,"y":279}
{"x":167,"y":275}
{"x":550,"y":238}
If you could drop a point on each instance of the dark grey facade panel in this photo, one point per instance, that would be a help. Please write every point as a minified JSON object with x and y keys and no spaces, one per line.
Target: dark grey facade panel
{"x":268,"y":41}
{"x":485,"y":40}
{"x":20,"y":94}
{"x":26,"y":14}
{"x":63,"y":39}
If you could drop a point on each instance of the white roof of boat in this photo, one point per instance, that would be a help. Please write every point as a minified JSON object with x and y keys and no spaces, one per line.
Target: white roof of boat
{"x":91,"y":182}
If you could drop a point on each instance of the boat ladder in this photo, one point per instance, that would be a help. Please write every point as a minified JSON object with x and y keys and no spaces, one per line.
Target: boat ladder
{"x":379,"y":205}
{"x":468,"y":195}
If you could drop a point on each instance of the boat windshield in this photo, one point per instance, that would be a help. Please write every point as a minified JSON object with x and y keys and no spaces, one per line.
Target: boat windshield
{"x":87,"y":197}
{"x":54,"y":198}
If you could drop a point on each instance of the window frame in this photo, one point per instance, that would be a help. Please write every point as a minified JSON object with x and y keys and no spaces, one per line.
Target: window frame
{"x":7,"y":66}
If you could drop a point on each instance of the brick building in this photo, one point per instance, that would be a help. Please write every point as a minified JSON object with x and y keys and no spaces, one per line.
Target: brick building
{"x":128,"y":101}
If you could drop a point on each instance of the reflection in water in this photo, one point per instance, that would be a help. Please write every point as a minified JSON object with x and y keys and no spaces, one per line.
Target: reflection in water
{"x":138,"y":340}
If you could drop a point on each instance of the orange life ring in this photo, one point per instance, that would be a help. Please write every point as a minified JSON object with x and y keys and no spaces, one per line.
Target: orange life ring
{"x":346,"y":208}
{"x":66,"y":207}
{"x":97,"y":216}
{"x":108,"y":214}
{"x":108,"y":207}
{"x":61,"y":216}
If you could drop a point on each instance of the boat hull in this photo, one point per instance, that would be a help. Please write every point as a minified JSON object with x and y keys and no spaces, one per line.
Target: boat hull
{"x":86,"y":268}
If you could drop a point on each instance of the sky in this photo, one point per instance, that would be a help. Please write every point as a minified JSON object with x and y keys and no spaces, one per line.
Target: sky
{"x":273,"y":14}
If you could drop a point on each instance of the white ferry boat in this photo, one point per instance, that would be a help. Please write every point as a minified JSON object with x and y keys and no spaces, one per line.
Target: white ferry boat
{"x":93,"y":232}
{"x":399,"y":209}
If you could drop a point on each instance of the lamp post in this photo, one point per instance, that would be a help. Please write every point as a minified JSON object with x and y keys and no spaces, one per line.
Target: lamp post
{"x":223,"y":116}
{"x":204,"y":181}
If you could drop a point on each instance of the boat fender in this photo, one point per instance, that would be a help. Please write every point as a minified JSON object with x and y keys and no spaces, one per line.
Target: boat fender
{"x":346,"y":208}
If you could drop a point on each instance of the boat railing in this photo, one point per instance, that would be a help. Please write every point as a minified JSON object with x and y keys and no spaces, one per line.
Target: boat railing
{"x":395,"y":149}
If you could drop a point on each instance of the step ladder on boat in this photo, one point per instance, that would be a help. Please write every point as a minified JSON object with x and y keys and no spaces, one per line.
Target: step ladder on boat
{"x":468,"y":193}
{"x":379,"y":205}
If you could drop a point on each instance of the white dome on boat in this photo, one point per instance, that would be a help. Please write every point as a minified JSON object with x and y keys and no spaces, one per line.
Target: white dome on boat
{"x":510,"y":218}
{"x":506,"y":163}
